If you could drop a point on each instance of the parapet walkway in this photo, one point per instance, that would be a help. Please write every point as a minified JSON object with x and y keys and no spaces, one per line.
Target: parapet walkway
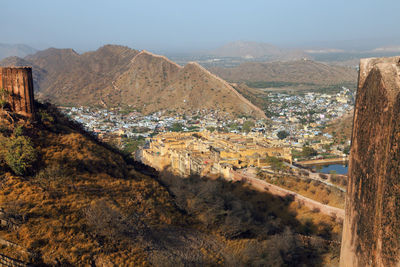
{"x":263,"y":186}
{"x":323,"y":161}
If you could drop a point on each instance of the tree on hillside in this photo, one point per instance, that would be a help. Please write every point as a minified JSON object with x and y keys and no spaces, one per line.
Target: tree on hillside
{"x":282,"y":134}
{"x":327,"y":146}
{"x":132,"y":144}
{"x":210,"y":128}
{"x":346,"y":150}
{"x":3,"y":98}
{"x":309,"y":152}
{"x":275,"y":163}
{"x":177,"y":127}
{"x":20,"y":154}
{"x":247,"y":126}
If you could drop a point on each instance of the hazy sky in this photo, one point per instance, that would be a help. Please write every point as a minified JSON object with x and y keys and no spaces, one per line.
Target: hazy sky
{"x":172,"y":25}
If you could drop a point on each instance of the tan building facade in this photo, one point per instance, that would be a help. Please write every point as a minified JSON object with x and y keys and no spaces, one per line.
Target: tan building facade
{"x":209,"y":154}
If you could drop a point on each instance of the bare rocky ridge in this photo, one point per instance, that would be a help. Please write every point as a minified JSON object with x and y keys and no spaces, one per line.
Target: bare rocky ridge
{"x":371,"y":228}
{"x":66,"y":77}
{"x":71,"y":78}
{"x":116,"y":75}
{"x":144,"y":81}
{"x":157,"y":83}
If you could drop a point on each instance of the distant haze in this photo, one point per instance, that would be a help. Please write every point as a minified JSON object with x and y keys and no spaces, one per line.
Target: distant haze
{"x":183,"y":26}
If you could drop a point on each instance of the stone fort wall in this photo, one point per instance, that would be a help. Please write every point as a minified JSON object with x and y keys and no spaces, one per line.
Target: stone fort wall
{"x":17,"y":81}
{"x":371,"y":229}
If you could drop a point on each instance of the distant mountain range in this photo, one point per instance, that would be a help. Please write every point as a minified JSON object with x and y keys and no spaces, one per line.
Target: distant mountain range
{"x":268,"y":52}
{"x":290,"y":72}
{"x":19,"y":50}
{"x":116,"y":75}
{"x":255,"y":50}
{"x":234,"y":53}
{"x":120,"y":76}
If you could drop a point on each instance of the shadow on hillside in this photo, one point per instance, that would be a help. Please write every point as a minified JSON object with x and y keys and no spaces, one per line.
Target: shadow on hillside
{"x":262,"y":221}
{"x":258,"y":229}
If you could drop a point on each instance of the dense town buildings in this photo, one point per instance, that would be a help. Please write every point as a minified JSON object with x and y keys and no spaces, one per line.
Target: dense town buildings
{"x":302,"y":115}
{"x":297,"y":113}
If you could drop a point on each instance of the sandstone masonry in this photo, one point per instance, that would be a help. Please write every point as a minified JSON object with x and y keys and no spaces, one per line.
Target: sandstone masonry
{"x":19,"y":84}
{"x":371,"y":230}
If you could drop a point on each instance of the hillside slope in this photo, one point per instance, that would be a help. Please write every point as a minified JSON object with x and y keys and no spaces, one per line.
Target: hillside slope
{"x":157,"y":83}
{"x":116,"y":75}
{"x":341,"y":128}
{"x":300,"y":71}
{"x":71,"y":78}
{"x":81,"y":203}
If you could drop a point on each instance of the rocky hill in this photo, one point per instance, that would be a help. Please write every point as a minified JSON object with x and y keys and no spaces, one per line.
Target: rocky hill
{"x":157,"y":83}
{"x":341,"y":128}
{"x":291,"y":72}
{"x":71,"y":78}
{"x":116,"y":75}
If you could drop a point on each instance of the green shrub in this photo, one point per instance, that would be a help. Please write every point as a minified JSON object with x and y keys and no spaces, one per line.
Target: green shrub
{"x":282,"y":134}
{"x":3,"y":98}
{"x":323,"y":176}
{"x":309,"y":152}
{"x":20,"y":154}
{"x":45,"y":117}
{"x":247,"y":126}
{"x":132,"y":144}
{"x":210,"y":128}
{"x":176,"y":127}
{"x":18,"y":131}
{"x":275,"y":163}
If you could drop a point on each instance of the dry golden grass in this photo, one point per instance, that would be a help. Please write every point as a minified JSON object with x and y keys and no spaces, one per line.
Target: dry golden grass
{"x":56,"y":223}
{"x":74,"y":172}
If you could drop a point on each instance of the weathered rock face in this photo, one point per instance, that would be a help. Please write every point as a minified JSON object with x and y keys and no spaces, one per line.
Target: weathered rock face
{"x":18,"y":82}
{"x":371,"y":230}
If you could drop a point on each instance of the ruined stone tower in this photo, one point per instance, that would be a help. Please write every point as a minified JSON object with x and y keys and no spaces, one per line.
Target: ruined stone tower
{"x":371,"y":229}
{"x":18,"y":82}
